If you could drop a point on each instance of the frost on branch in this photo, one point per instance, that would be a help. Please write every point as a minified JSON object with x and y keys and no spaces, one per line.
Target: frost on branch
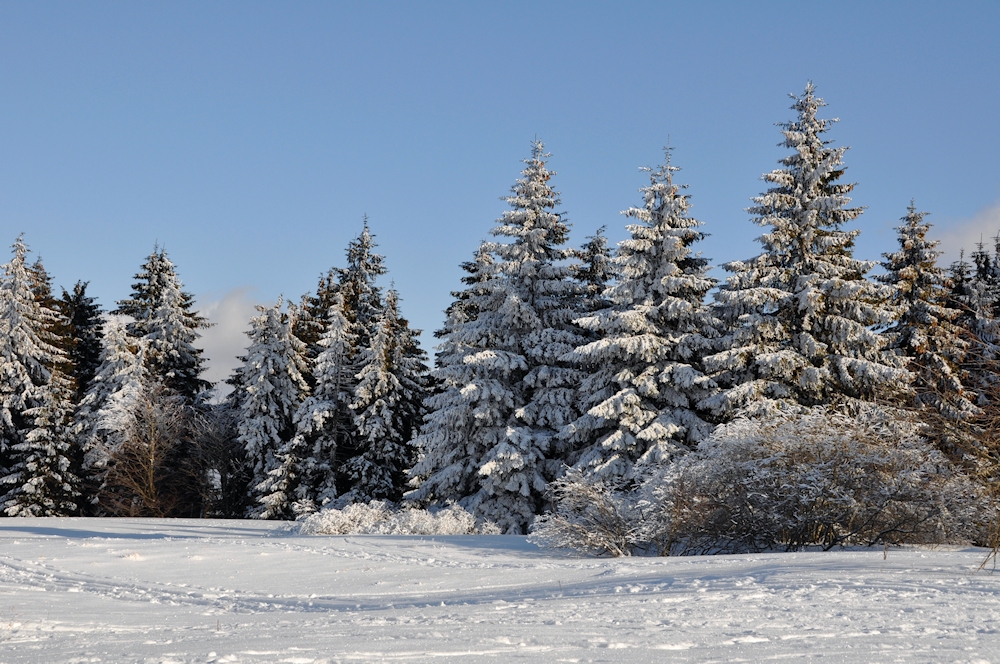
{"x":592,"y":516}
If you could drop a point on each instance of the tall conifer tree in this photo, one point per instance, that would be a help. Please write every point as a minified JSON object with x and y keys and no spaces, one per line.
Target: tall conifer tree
{"x":926,"y":333}
{"x":105,"y":413}
{"x":451,"y":441}
{"x":36,"y":460}
{"x":387,"y":407}
{"x":324,"y":421}
{"x":645,"y":381}
{"x":86,"y":330}
{"x":512,"y":390}
{"x":271,"y":388}
{"x":163,"y":315}
{"x":362,"y":296}
{"x":595,"y":271}
{"x":802,"y":316}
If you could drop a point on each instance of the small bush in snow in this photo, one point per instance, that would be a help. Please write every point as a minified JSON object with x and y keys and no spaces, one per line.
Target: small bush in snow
{"x":593,"y":516}
{"x":385,"y":518}
{"x":821,"y":478}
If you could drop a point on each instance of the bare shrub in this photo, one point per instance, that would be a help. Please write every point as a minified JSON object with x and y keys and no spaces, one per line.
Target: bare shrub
{"x":590,"y":516}
{"x":822,"y":478}
{"x":386,"y":518}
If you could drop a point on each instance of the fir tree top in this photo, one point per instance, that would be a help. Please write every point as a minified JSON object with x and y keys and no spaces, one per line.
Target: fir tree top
{"x":914,"y":267}
{"x":807,"y":206}
{"x":162,"y":314}
{"x":362,"y":298}
{"x":155,"y":276}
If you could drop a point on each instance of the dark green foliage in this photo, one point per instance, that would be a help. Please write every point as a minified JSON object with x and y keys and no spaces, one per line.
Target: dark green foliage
{"x":85,"y":328}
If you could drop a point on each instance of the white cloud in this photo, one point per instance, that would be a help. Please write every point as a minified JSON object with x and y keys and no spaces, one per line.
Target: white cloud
{"x":983,"y":227}
{"x":226,"y":339}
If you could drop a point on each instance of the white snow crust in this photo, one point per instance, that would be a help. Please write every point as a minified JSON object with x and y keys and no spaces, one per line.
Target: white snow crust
{"x":147,"y":590}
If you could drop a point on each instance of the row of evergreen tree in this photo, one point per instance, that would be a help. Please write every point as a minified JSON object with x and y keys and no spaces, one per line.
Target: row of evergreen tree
{"x":608,"y":362}
{"x":110,"y":415}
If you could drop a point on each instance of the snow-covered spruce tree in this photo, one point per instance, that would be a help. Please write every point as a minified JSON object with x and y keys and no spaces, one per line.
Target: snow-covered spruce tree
{"x":451,"y":445}
{"x":28,"y":357}
{"x":645,"y":381}
{"x":926,"y":333}
{"x":324,"y":423}
{"x":387,"y":406}
{"x":802,"y":317}
{"x":105,"y":413}
{"x":310,"y":322}
{"x":86,"y":326}
{"x":57,"y":328}
{"x":43,"y":479}
{"x":162,"y":315}
{"x":362,"y":297}
{"x":463,"y":308}
{"x":512,"y":393}
{"x":595,"y":271}
{"x":973,"y":292}
{"x":986,"y":275}
{"x":412,"y":363}
{"x":271,"y":388}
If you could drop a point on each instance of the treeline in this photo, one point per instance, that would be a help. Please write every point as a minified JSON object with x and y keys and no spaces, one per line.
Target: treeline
{"x":563,"y":376}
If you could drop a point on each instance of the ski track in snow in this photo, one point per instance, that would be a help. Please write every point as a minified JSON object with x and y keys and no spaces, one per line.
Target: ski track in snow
{"x":143,"y":590}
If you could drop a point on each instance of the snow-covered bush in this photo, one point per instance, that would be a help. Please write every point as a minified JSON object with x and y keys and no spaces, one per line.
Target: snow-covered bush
{"x":822,"y":478}
{"x":593,"y":516}
{"x":386,"y":518}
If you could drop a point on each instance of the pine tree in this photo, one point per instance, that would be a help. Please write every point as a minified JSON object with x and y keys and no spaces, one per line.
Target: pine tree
{"x":324,"y":422}
{"x":86,"y":331}
{"x":44,"y":480}
{"x":973,"y":295}
{"x":595,"y":271}
{"x":105,"y":412}
{"x":926,"y":333}
{"x":272,"y":387}
{"x":162,"y":315}
{"x":57,"y":327}
{"x":451,"y":442}
{"x":802,"y":317}
{"x":512,"y":392}
{"x":410,"y":361}
{"x":387,"y":406}
{"x":362,"y":297}
{"x":28,"y":357}
{"x":645,"y":379}
{"x":41,"y":284}
{"x":313,"y":310}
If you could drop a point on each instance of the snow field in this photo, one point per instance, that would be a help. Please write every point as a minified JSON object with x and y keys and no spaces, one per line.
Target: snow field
{"x":144,"y":590}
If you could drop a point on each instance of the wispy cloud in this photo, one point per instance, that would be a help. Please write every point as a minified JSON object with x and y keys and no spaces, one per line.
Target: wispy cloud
{"x":226,"y":339}
{"x":983,"y":227}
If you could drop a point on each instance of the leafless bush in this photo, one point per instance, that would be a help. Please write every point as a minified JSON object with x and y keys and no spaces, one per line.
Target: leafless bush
{"x":824,"y":478}
{"x":590,"y":516}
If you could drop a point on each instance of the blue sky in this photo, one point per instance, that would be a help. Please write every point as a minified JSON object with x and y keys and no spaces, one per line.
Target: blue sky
{"x":250,"y":138}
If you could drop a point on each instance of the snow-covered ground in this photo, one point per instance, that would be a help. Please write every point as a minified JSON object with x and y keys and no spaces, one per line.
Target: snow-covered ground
{"x":118,"y":590}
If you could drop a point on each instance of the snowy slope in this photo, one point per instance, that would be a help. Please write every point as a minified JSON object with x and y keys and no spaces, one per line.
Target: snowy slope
{"x":111,"y":590}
